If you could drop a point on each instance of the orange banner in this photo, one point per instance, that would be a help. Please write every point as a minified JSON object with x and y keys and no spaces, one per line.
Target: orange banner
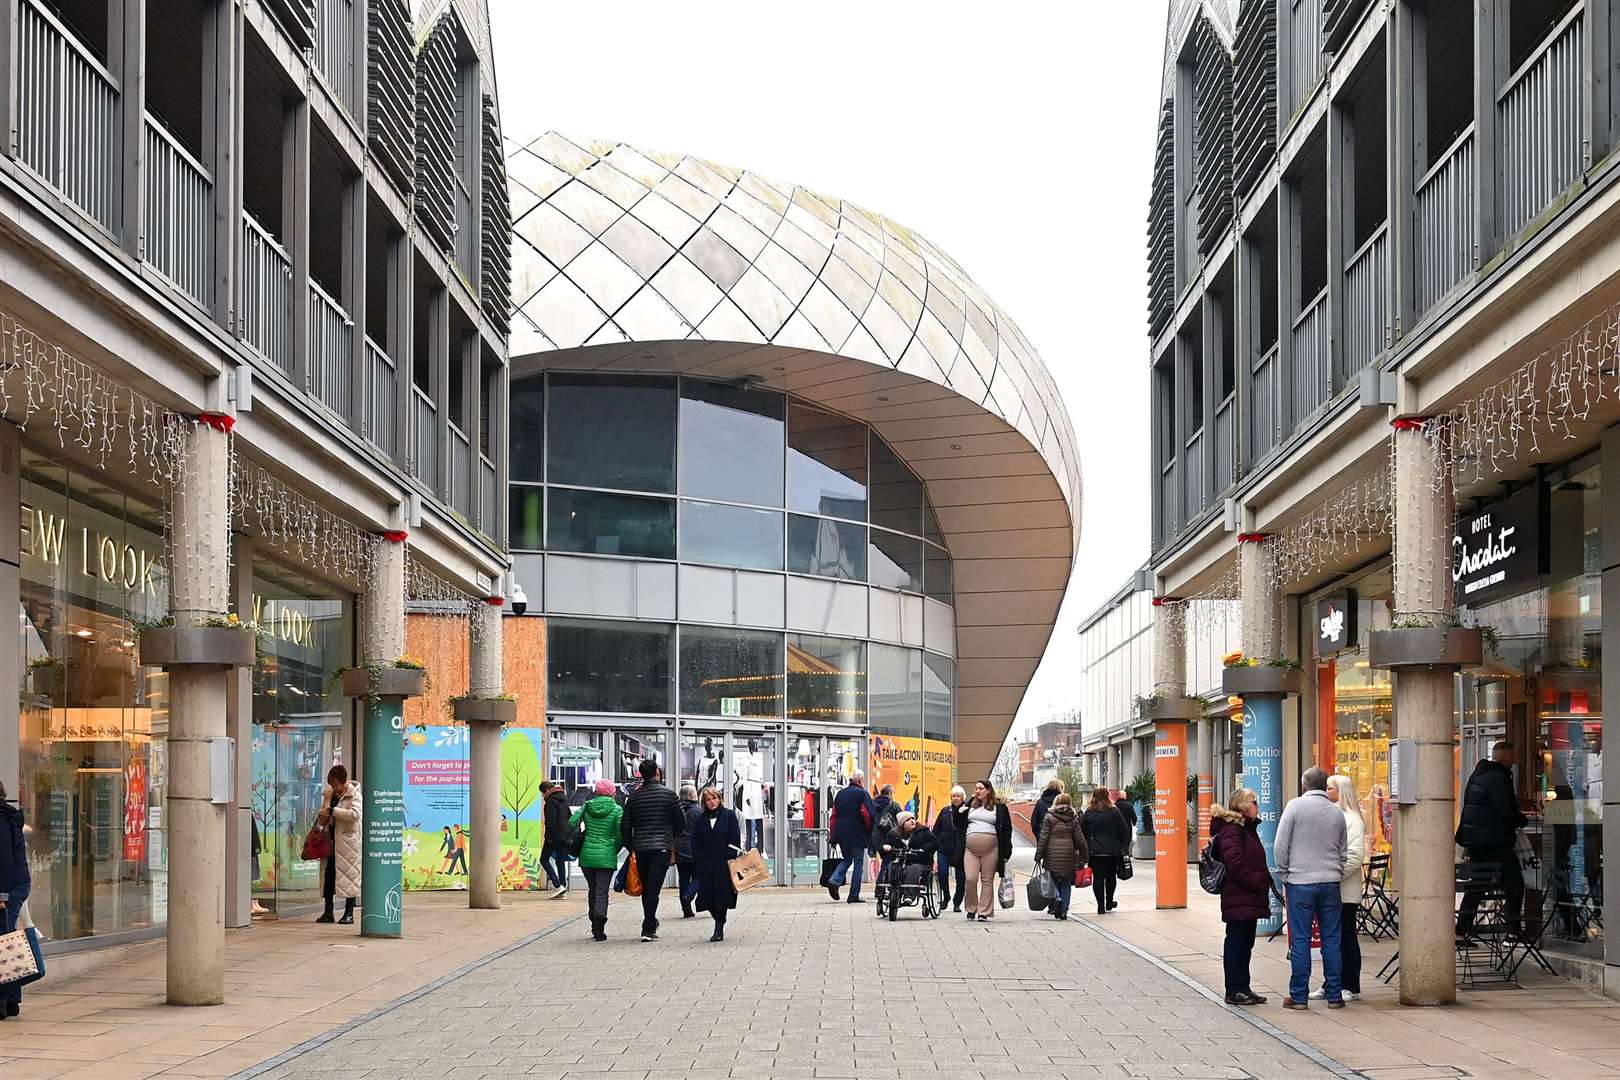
{"x":1170,"y":813}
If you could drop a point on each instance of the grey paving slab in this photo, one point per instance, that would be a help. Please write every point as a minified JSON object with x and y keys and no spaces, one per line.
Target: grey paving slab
{"x":805,"y":987}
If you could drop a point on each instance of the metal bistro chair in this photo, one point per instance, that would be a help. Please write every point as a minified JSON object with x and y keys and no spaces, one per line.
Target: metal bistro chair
{"x":1379,"y":916}
{"x":1484,"y":951}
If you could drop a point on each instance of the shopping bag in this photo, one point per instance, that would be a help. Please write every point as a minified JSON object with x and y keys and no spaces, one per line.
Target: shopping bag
{"x":748,"y":870}
{"x":25,"y":923}
{"x":1126,"y":868}
{"x":1082,"y":877}
{"x":1007,"y":898}
{"x":1039,"y":890}
{"x":17,"y":959}
{"x":632,"y":877}
{"x":828,"y":868}
{"x":317,"y":843}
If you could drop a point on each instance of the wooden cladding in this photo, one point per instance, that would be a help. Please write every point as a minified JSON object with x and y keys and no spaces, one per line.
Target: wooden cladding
{"x":1254,"y":119}
{"x":495,"y":276}
{"x":1162,"y":226}
{"x":1213,"y":131}
{"x":436,"y":133}
{"x":390,"y":88}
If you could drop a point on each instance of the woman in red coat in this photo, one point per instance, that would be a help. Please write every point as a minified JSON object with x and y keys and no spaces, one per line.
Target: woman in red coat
{"x":1234,"y":829}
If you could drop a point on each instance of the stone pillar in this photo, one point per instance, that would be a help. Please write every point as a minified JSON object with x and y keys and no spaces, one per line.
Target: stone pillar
{"x":1206,"y":776}
{"x":199,"y":589}
{"x":1423,"y":709}
{"x":484,"y":756}
{"x":382,"y":823}
{"x":1170,"y":754}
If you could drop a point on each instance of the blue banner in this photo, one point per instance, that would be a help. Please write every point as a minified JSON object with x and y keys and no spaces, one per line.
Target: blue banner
{"x":1262,"y":771}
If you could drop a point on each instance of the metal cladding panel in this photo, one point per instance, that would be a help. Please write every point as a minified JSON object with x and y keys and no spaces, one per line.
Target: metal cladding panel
{"x":495,"y":275}
{"x":1338,"y":19}
{"x":1162,"y":225}
{"x":436,"y":131}
{"x":390,"y":79}
{"x":1213,"y":115}
{"x":1254,"y":120}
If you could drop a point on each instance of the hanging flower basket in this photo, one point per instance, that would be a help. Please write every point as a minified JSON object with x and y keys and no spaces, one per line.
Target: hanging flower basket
{"x":488,"y":710}
{"x":1172,"y":707}
{"x":198,"y":646}
{"x":1426,"y":647}
{"x":1259,"y":679}
{"x":373,"y":682}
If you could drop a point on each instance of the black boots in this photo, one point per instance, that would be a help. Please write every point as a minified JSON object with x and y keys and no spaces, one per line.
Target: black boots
{"x":686,"y":909}
{"x":719,"y":932}
{"x":348,"y":913}
{"x":598,"y":928}
{"x":326,"y":916}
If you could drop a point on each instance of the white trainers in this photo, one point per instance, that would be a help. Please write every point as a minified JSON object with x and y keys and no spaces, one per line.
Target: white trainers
{"x":560,"y":893}
{"x":1319,"y":994}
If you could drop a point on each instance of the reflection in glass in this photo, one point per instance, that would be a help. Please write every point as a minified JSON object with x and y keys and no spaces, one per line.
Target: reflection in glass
{"x":527,"y":509}
{"x":607,"y":667}
{"x":612,"y":431}
{"x":730,"y":672}
{"x":939,"y":574}
{"x":731,"y":536}
{"x":896,"y":561}
{"x":897,"y":496}
{"x":731,"y":443}
{"x":527,"y":445}
{"x":894,"y":689}
{"x":938,"y":692}
{"x":574,"y":760}
{"x":826,"y":548}
{"x":826,"y":463}
{"x":604,"y":524}
{"x":630,"y":749}
{"x":826,"y":679}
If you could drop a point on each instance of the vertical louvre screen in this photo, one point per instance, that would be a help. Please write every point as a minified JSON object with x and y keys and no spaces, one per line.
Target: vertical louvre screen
{"x":1213,"y":95}
{"x":1162,"y":226}
{"x":1254,"y":122}
{"x":495,"y":280}
{"x":436,"y":132}
{"x":390,"y":87}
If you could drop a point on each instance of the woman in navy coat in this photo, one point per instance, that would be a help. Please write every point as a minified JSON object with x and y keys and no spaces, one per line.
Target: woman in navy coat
{"x":716,"y":840}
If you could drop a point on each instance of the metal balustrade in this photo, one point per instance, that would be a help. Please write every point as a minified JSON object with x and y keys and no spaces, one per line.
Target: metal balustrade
{"x":264,"y":312}
{"x":458,"y":485}
{"x":1445,"y":236}
{"x":1265,"y":405}
{"x":331,"y":351}
{"x":1225,"y":444}
{"x":1312,"y":386}
{"x":1538,"y":127}
{"x":67,"y":114}
{"x":1196,"y":487}
{"x":377,"y":418}
{"x":179,"y":214}
{"x":489,"y":498}
{"x":1169,"y":500}
{"x":424,"y":439}
{"x":1306,"y":61}
{"x":335,"y":51}
{"x":1367,"y":328}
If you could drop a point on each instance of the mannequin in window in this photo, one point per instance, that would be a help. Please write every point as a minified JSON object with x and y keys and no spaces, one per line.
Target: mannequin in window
{"x":748,"y":772}
{"x":708,"y":769}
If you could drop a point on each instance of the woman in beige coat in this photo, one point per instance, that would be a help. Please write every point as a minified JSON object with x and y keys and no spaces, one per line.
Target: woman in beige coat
{"x":340,"y":817}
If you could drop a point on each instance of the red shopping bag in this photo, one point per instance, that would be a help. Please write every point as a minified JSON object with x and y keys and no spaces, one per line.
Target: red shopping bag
{"x":1082,"y":878}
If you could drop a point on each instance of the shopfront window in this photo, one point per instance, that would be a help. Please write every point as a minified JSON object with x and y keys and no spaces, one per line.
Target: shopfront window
{"x":826,"y":463}
{"x":826,"y":548}
{"x":731,"y":443}
{"x":721,"y":535}
{"x":611,"y":431}
{"x":94,"y":767}
{"x":608,"y":667}
{"x":826,"y":679}
{"x":730,"y":672}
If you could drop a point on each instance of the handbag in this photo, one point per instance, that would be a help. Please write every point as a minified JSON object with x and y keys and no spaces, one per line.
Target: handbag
{"x":317,"y":843}
{"x":1040,"y":890}
{"x":576,"y":843}
{"x":18,"y":960}
{"x":1006,"y":897}
{"x":1127,"y":868}
{"x":748,"y":870}
{"x":828,"y":868}
{"x":632,"y":877}
{"x":1211,"y":871}
{"x":1082,"y":877}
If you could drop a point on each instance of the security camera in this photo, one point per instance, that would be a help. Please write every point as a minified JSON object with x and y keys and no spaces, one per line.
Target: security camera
{"x":520,"y":599}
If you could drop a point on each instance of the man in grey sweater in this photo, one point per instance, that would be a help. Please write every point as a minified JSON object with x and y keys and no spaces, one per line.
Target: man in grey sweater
{"x":1310,"y":853}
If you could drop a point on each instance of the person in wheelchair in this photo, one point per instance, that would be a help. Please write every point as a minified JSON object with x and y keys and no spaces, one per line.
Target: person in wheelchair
{"x":908,"y":862}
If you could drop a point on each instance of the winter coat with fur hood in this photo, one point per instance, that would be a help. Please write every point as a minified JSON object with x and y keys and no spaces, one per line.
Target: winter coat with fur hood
{"x":345,"y":840}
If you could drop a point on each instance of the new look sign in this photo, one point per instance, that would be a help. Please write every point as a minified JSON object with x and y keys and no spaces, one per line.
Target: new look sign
{"x":1501,"y":549}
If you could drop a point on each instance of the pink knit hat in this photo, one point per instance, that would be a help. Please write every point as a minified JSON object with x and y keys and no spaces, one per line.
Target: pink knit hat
{"x":605,"y":787}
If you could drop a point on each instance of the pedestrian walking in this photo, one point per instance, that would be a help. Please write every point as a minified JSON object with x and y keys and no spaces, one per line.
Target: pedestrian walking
{"x":556,"y":836}
{"x":949,"y":829}
{"x":15,"y":884}
{"x":1342,"y":791}
{"x":602,"y":816}
{"x":1486,"y":829}
{"x":716,"y":840}
{"x":989,"y":846}
{"x":340,"y":817}
{"x":1310,"y":854}
{"x":1061,"y":850}
{"x":1234,"y":830}
{"x":1043,"y":806}
{"x":850,"y":827}
{"x":885,"y":819}
{"x":1109,"y":838}
{"x":685,"y":873}
{"x":652,"y":821}
{"x":1127,"y":810}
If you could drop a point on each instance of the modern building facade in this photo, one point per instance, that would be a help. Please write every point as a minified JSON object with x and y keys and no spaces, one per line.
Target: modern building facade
{"x":794,"y":497}
{"x":1382,"y":305}
{"x":254,"y":299}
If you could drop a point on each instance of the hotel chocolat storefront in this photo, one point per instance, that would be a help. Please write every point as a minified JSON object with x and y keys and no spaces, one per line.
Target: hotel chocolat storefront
{"x":1528,"y":569}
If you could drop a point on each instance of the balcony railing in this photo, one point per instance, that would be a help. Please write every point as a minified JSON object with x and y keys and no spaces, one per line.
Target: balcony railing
{"x":458,"y":486}
{"x":67,"y":114}
{"x":264,"y":308}
{"x":1538,"y":118}
{"x":489,"y":497}
{"x":1305,"y":59}
{"x":1445,"y":240}
{"x":424,"y":439}
{"x":1169,"y":500}
{"x":179,"y":225}
{"x":1265,"y":405}
{"x":1367,"y":329}
{"x":1312,"y":385}
{"x":331,"y":351}
{"x":1224,"y":447}
{"x":377,"y":418}
{"x":335,"y":51}
{"x":1192,"y":476}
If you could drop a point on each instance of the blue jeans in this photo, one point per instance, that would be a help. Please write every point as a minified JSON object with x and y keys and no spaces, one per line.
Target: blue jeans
{"x":554,"y":860}
{"x":1321,"y":900}
{"x":1060,"y":906}
{"x":945,"y":870}
{"x":11,"y":992}
{"x":850,"y":856}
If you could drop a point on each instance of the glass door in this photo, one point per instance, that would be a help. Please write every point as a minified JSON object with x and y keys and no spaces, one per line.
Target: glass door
{"x":806,"y":815}
{"x":743,"y":767}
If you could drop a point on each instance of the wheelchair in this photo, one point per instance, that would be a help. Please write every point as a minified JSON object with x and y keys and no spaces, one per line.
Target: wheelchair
{"x":904,"y":884}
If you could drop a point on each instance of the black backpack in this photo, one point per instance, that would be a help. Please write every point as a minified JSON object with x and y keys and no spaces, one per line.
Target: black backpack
{"x":1211,"y":871}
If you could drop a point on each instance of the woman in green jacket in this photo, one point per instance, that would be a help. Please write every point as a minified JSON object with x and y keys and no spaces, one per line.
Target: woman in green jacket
{"x":600,"y":856}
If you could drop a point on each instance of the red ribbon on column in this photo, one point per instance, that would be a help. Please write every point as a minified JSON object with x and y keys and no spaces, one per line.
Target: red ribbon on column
{"x":396,"y":536}
{"x":221,"y":422}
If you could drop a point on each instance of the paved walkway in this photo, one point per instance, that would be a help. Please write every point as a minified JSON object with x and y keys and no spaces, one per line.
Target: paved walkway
{"x":804,"y":987}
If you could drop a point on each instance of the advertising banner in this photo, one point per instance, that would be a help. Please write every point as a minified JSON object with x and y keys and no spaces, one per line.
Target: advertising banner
{"x":135,"y":806}
{"x":383,"y":820}
{"x":1262,"y":772}
{"x":1170,"y":814}
{"x":921,"y":770}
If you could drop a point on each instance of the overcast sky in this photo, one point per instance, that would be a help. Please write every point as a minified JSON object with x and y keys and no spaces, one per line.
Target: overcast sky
{"x":1017,"y":137}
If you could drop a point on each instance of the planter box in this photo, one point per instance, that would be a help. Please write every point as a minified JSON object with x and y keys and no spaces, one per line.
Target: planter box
{"x":483,"y":710}
{"x":1259,"y":680}
{"x":1172,"y":708}
{"x":47,"y":681}
{"x":1426,"y":647}
{"x":197,"y":646}
{"x":388,"y":682}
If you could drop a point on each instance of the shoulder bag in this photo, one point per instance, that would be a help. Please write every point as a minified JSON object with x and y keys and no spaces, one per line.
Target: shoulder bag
{"x":317,"y":843}
{"x":1127,"y":868}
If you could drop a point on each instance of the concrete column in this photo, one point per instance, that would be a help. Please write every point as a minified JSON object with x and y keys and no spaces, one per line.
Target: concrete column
{"x":1423,"y":709}
{"x":1169,"y":759}
{"x":239,"y":720}
{"x":1259,"y":604}
{"x":1133,"y":767}
{"x":483,"y":890}
{"x":199,"y":588}
{"x":382,"y":753}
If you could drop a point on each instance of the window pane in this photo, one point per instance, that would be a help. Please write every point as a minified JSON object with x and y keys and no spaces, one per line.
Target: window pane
{"x":528,"y":428}
{"x":527,"y":509}
{"x":835,"y":549}
{"x":938,"y":697}
{"x":608,"y":667}
{"x":826,"y":463}
{"x":730,"y":672}
{"x":826,"y":679}
{"x":731,"y":443}
{"x":603,"y":524}
{"x":939,"y":574}
{"x":613,"y":431}
{"x":931,"y":529}
{"x":897,"y":497}
{"x":895,"y":687}
{"x":896,"y":561}
{"x":731,"y":536}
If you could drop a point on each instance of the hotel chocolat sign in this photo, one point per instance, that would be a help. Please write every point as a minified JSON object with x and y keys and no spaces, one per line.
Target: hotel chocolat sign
{"x":1335,"y":623}
{"x":1501,"y":549}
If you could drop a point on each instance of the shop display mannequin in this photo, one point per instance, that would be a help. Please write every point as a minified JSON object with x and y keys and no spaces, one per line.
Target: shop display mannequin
{"x":748,"y":775}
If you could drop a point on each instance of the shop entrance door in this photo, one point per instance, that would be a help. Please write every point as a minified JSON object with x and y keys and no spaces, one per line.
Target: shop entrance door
{"x":581,"y":750}
{"x":744,"y":764}
{"x":819,"y":766}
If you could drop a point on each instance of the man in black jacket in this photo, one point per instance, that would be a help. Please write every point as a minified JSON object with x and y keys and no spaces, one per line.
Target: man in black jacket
{"x":652,"y":820}
{"x":1486,"y":828}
